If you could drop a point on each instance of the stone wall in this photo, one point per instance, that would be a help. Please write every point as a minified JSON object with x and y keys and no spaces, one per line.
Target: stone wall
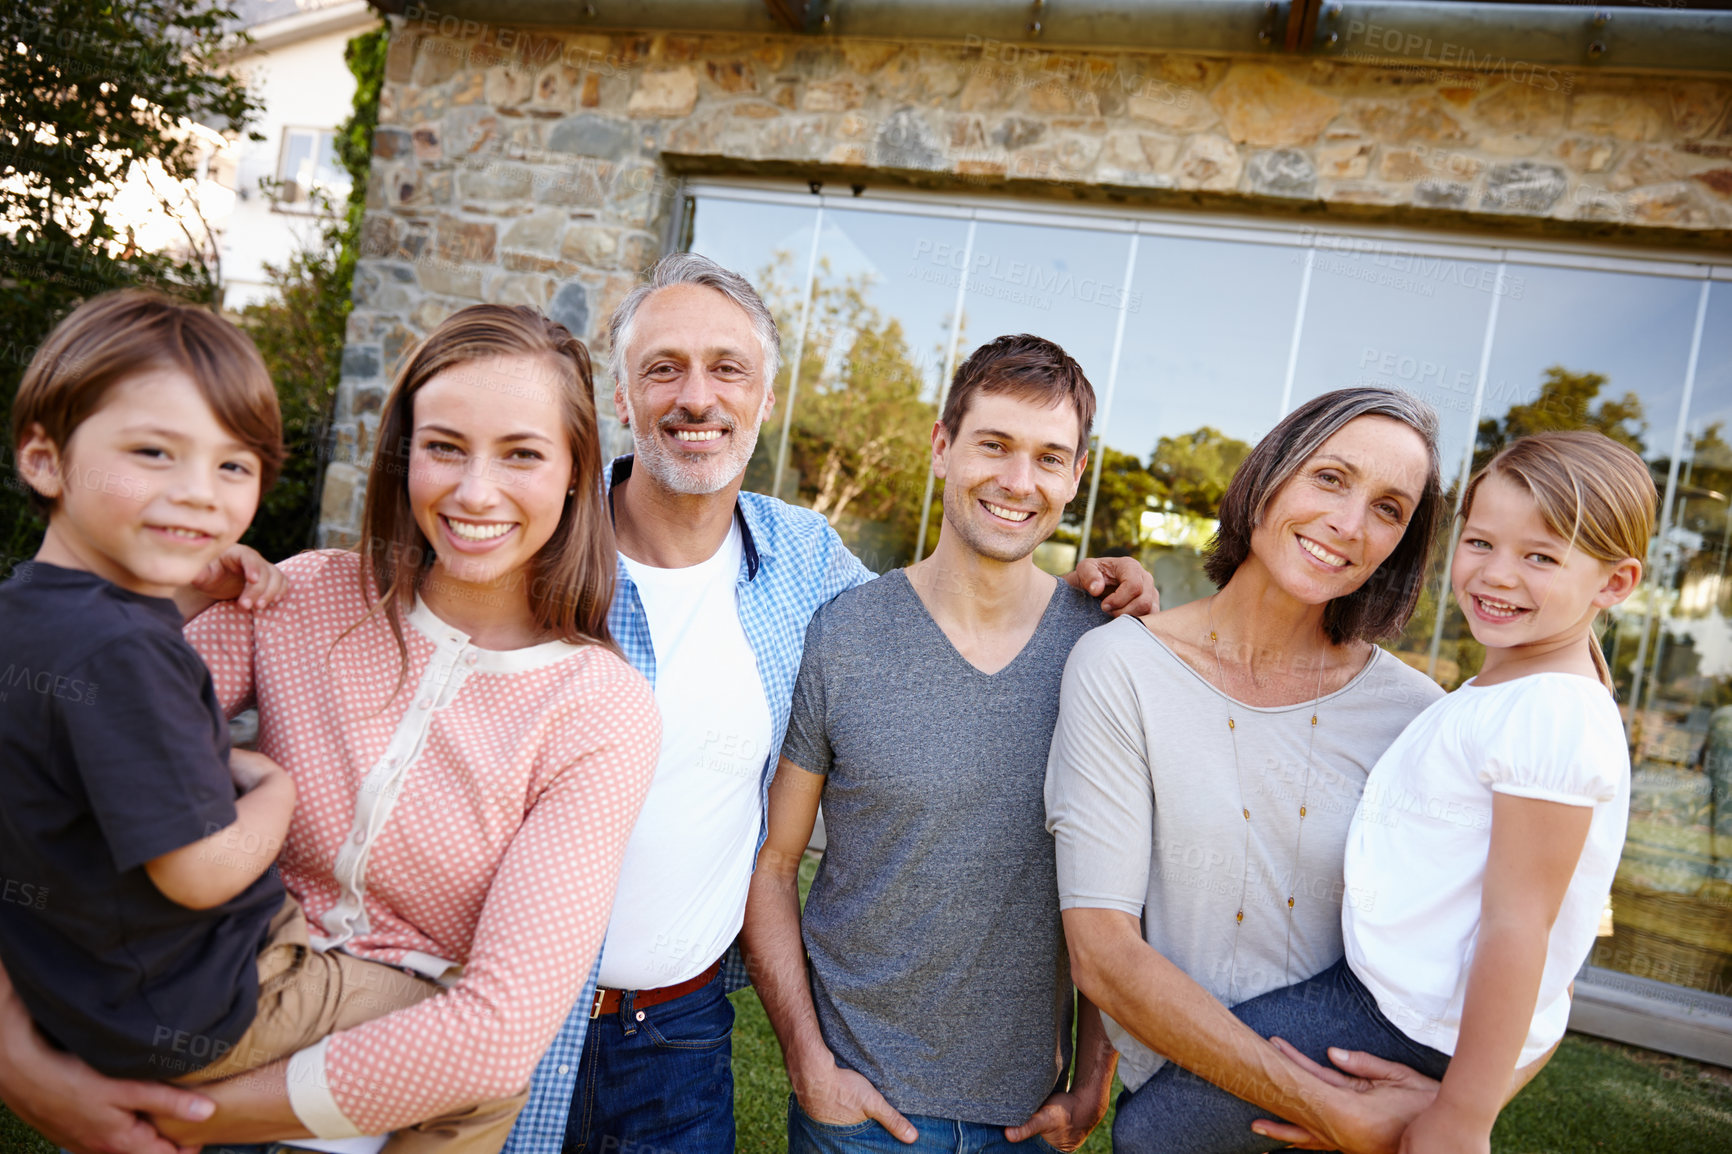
{"x":538,"y":168}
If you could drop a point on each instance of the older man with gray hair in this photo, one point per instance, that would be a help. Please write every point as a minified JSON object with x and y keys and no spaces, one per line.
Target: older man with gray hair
{"x":715,"y":590}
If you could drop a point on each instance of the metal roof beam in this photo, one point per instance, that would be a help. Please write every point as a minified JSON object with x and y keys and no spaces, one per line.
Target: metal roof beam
{"x":1434,"y":33}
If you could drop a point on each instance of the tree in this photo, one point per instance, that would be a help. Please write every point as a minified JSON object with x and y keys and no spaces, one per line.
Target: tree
{"x":1709,"y":449}
{"x":1187,"y":473}
{"x":1192,"y":470}
{"x":1125,"y":491}
{"x":89,"y":90}
{"x":1565,"y":401}
{"x":858,"y":448}
{"x":860,"y":434}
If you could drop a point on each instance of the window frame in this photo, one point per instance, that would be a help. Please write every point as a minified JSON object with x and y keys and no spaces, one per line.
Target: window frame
{"x":301,"y":205}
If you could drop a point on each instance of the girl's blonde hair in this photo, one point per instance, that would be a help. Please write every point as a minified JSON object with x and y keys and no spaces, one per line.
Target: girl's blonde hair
{"x":1591,"y":491}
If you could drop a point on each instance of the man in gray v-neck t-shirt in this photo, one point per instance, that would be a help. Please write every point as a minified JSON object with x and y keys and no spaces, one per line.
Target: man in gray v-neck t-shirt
{"x":925,"y":992}
{"x":937,"y":955}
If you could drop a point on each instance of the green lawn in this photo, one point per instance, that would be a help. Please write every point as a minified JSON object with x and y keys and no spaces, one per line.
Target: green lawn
{"x":1593,"y":1096}
{"x":17,"y":1138}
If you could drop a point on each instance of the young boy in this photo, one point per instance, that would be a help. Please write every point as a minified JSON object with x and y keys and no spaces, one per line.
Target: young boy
{"x":147,"y":430}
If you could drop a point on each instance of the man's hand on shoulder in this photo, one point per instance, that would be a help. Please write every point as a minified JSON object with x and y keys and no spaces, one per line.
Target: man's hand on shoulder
{"x":1121,"y":583}
{"x":839,"y":1097}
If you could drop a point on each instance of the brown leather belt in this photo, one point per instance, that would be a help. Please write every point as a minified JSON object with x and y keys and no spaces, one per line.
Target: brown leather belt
{"x":607,"y":1001}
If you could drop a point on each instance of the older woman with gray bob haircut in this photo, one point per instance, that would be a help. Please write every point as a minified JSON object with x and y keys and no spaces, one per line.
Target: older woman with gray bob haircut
{"x":1207,"y":762}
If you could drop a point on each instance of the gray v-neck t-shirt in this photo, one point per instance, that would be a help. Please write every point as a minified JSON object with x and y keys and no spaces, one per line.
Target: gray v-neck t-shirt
{"x":937,"y":956}
{"x":1146,"y":802}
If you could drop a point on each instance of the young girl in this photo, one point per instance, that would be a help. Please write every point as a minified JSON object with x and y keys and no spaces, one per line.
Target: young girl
{"x":1485,"y":842}
{"x":470,"y":753}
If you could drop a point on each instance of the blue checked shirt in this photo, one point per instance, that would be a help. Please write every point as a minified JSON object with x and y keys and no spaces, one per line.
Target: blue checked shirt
{"x":793,"y":563}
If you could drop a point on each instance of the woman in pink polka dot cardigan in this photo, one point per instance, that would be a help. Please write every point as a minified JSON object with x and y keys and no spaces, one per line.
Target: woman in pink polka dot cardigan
{"x":470,"y":750}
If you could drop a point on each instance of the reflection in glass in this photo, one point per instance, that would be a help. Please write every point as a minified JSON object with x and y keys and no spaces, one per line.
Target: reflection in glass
{"x":1393,"y":319}
{"x":1200,"y":377}
{"x":1673,"y":896}
{"x":863,"y":332}
{"x":1548,"y":370}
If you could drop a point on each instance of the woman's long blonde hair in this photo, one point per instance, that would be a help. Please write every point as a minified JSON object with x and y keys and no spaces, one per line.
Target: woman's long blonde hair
{"x":570,"y":581}
{"x":1591,"y":491}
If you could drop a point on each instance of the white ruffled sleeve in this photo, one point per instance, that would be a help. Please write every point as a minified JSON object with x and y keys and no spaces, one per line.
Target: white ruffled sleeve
{"x":1560,"y":739}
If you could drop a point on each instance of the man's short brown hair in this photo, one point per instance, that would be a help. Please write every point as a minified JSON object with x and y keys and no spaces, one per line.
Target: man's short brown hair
{"x":123,"y":334}
{"x":1032,"y":368}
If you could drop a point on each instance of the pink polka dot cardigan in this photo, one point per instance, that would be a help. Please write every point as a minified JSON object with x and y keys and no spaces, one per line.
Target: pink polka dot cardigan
{"x":467,"y":826}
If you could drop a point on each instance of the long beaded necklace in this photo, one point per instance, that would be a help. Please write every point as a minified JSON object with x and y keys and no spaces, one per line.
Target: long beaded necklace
{"x":1245,"y":812}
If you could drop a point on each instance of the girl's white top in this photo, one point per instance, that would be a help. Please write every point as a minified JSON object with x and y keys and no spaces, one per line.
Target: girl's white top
{"x":1417,"y":848}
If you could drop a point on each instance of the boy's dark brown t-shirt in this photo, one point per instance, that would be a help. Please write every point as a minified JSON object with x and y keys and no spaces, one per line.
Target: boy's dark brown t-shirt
{"x":113,"y":751}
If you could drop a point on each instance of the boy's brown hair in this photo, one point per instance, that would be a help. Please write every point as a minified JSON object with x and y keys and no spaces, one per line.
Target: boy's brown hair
{"x":122,"y":334}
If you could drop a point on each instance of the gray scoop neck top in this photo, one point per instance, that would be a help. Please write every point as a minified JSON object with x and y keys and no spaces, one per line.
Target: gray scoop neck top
{"x":1145,"y":807}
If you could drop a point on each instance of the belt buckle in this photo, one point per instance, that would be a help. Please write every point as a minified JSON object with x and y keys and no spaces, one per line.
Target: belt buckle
{"x":595,"y":1010}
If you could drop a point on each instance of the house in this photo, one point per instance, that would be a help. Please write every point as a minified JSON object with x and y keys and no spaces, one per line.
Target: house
{"x":295,"y":66}
{"x":1520,"y":213}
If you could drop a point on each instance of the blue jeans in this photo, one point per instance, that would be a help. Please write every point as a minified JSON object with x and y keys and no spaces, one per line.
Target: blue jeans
{"x":807,"y":1135}
{"x":1176,"y":1112}
{"x":658,"y":1080}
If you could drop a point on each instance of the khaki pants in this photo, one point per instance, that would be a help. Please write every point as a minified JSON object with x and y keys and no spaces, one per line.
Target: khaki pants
{"x":305,"y":995}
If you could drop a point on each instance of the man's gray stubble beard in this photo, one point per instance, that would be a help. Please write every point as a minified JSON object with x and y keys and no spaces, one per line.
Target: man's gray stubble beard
{"x":674,"y":475}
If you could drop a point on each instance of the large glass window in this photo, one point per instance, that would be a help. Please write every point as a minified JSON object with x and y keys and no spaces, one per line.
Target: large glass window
{"x":1669,"y":645}
{"x":1199,"y":335}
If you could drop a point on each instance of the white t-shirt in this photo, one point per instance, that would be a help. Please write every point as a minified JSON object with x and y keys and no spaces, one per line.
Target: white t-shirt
{"x":1417,"y":849}
{"x":682,"y":888}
